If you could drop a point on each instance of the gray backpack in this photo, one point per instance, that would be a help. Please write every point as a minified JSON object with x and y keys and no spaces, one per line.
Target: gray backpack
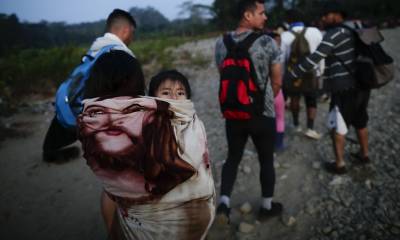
{"x":374,"y":68}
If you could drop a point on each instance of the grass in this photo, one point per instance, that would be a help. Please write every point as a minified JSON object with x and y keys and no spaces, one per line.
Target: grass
{"x":40,"y":71}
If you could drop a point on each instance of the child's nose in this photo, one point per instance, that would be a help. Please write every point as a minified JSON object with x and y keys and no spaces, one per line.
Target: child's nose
{"x":175,"y":96}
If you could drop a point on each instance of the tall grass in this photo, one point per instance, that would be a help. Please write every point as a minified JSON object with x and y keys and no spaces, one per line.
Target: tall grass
{"x":40,"y":71}
{"x":36,"y":70}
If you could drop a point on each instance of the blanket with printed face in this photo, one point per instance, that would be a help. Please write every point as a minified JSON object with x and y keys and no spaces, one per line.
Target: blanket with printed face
{"x":150,"y":154}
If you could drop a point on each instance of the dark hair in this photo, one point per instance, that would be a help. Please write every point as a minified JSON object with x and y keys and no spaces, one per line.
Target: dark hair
{"x":117,"y":15}
{"x":115,"y":73}
{"x":294,"y":15}
{"x":173,"y":75}
{"x":333,"y":7}
{"x":247,"y":5}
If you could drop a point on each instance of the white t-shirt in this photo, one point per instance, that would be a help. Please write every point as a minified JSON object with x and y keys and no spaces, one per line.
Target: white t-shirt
{"x":313,"y":37}
{"x":108,"y":39}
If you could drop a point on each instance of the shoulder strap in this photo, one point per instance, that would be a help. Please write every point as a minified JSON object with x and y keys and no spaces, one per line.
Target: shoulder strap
{"x":296,"y":34}
{"x":229,"y":42}
{"x":303,"y":32}
{"x":249,"y":40}
{"x":245,"y":44}
{"x":88,"y":55}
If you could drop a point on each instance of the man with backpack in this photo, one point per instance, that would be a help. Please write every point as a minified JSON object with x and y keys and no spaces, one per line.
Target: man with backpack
{"x":250,"y":76}
{"x":348,"y":102}
{"x":119,"y":34}
{"x":297,"y":43}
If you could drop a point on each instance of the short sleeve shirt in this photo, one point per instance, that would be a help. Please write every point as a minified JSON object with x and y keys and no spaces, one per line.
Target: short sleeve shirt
{"x":263,"y":53}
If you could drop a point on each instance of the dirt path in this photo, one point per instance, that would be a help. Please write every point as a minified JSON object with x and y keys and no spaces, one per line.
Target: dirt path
{"x":51,"y":201}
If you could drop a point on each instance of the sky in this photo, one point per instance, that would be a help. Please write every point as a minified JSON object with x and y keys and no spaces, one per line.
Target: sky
{"x":76,"y":11}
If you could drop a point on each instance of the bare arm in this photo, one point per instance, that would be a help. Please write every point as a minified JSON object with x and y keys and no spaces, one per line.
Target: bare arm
{"x":276,"y":78}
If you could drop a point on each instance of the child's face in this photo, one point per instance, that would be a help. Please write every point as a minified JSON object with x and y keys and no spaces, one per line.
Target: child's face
{"x":171,"y":90}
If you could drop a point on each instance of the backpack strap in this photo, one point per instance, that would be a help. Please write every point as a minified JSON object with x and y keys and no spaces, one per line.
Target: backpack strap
{"x":303,"y":32}
{"x":228,"y":42}
{"x":245,"y":44}
{"x":90,"y":58}
{"x":296,"y":34}
{"x":249,"y":40}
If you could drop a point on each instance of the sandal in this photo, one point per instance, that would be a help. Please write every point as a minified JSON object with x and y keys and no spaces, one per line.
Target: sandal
{"x":360,"y":158}
{"x":332,"y":168}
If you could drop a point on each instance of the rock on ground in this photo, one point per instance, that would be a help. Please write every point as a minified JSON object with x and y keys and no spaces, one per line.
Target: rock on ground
{"x":50,"y":201}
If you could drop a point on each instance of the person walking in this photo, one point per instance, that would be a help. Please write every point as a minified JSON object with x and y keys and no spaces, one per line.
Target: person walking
{"x":120,"y":28}
{"x":313,"y":38}
{"x":265,"y":59}
{"x":348,"y":103}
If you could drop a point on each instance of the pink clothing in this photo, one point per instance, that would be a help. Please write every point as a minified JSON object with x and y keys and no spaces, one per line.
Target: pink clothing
{"x":280,"y":112}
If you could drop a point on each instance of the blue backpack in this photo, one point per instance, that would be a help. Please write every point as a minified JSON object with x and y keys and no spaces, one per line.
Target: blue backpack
{"x":69,"y":95}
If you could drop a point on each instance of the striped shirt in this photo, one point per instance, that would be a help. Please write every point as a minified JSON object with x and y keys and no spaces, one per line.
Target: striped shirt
{"x":338,"y":43}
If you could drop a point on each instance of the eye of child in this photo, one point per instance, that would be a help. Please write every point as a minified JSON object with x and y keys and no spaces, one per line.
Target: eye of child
{"x":165,"y":93}
{"x":182,"y":93}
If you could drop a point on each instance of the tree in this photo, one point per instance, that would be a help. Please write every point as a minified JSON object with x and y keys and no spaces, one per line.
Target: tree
{"x":149,"y":19}
{"x":225,"y":13}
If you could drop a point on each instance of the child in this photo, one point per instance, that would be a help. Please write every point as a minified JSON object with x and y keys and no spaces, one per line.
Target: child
{"x":170,"y":85}
{"x":150,"y":154}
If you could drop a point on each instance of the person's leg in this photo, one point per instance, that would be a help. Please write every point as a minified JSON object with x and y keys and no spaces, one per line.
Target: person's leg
{"x":310,"y":100}
{"x":263,"y":136}
{"x":338,"y":141}
{"x":108,"y":208}
{"x":236,"y":134}
{"x":362,"y":135}
{"x":295,"y":109}
{"x":311,"y":105}
{"x":56,"y":138}
{"x":311,"y":113}
{"x":360,"y":122}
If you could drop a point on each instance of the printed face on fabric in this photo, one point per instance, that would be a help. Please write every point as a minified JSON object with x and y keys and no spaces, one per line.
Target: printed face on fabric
{"x":130,"y":144}
{"x":116,"y":131}
{"x":257,"y":17}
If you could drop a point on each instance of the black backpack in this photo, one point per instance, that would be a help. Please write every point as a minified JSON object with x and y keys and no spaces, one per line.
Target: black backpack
{"x":374,"y":68}
{"x":239,"y":96}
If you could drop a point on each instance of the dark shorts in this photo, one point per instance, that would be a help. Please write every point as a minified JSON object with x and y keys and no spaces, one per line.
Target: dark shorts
{"x":353,"y":106}
{"x":310,"y":98}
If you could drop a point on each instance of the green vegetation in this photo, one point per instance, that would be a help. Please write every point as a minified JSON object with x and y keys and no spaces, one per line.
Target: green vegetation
{"x":40,"y":71}
{"x":158,"y":50}
{"x":36,"y":70}
{"x":37,"y":57}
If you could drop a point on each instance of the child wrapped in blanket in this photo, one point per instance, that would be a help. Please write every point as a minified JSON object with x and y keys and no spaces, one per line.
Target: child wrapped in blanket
{"x":149,"y":153}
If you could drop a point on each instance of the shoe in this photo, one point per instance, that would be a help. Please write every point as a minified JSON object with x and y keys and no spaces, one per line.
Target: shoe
{"x":298,"y":129}
{"x":222,"y":216}
{"x":324,"y":98}
{"x":312,"y":134}
{"x":265,"y":214}
{"x":360,"y":158}
{"x":332,"y":168}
